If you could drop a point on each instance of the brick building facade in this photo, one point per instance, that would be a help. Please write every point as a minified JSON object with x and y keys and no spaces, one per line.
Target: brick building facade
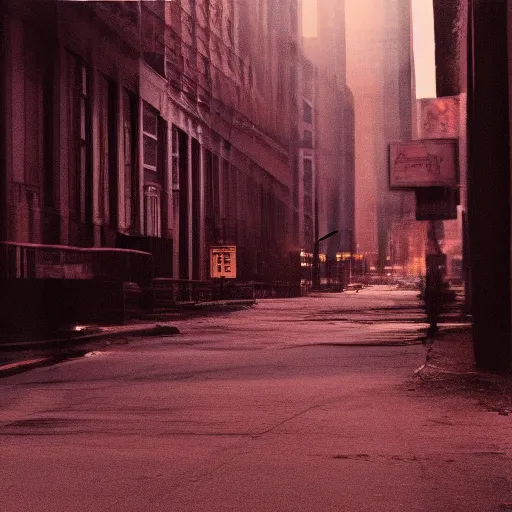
{"x":153,"y":127}
{"x":158,"y":126}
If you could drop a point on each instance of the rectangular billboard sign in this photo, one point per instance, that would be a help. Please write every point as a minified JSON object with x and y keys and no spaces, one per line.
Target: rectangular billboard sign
{"x":423,"y":163}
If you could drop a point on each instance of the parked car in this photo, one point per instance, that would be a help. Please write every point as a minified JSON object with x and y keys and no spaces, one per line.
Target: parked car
{"x":354,"y":287}
{"x":409,"y":284}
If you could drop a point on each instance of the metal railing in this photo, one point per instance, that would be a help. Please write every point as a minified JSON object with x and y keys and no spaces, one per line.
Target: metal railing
{"x":167,"y":292}
{"x":38,"y":261}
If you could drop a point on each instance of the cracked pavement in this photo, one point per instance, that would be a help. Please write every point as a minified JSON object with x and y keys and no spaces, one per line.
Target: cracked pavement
{"x":259,"y":410}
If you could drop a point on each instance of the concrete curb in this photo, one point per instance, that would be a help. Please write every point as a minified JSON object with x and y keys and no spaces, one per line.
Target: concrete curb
{"x":72,"y":340}
{"x":17,"y":367}
{"x":155,"y":326}
{"x":224,"y":303}
{"x":71,"y":347}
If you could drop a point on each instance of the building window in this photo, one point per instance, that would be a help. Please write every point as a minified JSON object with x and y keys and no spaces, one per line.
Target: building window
{"x":34,"y":131}
{"x":308,"y":229}
{"x":174,"y":59}
{"x":175,"y":159}
{"x":130,"y":169}
{"x":104,"y":102}
{"x":150,"y":138}
{"x":308,"y":139}
{"x":153,"y":133}
{"x":206,"y":68}
{"x":212,"y":186}
{"x":152,"y":215}
{"x":84,"y":135}
{"x":308,"y":175}
{"x":154,"y":151}
{"x":80,"y":172}
{"x":308,"y":203}
{"x":153,"y":29}
{"x":307,"y":112}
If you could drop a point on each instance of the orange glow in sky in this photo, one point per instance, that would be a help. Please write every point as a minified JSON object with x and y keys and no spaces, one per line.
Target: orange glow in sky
{"x":423,"y":41}
{"x":309,"y":18}
{"x":424,"y":48}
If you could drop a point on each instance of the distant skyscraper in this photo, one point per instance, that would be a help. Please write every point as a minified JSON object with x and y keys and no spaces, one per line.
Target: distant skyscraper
{"x":379,"y":74}
{"x":335,"y":126}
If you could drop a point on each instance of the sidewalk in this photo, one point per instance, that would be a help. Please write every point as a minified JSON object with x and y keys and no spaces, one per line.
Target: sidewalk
{"x":450,"y":369}
{"x":20,"y":355}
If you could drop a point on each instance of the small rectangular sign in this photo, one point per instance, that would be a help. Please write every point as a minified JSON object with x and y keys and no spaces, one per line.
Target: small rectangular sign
{"x":437,"y":203}
{"x":424,"y":163}
{"x":223,"y":261}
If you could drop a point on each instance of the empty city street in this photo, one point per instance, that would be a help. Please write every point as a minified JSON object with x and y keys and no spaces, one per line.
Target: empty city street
{"x":307,"y":404}
{"x":256,"y":256}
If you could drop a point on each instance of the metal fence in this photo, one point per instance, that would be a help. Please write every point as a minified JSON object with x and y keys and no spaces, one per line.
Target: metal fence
{"x":167,"y":292}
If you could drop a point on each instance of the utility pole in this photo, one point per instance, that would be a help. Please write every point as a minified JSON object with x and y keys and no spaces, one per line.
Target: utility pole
{"x":434,"y":277}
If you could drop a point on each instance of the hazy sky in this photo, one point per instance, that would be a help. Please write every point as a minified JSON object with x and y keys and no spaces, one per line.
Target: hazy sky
{"x":309,"y":18}
{"x":423,"y":41}
{"x":424,"y":48}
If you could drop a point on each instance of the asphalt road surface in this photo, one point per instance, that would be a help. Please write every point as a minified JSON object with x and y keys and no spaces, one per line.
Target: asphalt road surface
{"x":294,"y":405}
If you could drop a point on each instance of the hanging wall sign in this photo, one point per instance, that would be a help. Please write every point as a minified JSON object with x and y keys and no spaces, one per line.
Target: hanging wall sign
{"x":436,"y":203}
{"x":423,"y":163}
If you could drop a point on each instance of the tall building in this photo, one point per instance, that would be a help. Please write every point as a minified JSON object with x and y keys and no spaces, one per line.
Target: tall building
{"x":148,"y":126}
{"x":335,"y":171}
{"x":473,"y":44}
{"x":473,"y":41}
{"x":379,"y":74}
{"x":305,"y":195}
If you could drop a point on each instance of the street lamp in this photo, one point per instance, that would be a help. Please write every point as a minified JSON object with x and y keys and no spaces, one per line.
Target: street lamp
{"x":316,"y":260}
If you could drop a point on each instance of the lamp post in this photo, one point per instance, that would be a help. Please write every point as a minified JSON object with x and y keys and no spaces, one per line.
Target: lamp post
{"x":316,"y":260}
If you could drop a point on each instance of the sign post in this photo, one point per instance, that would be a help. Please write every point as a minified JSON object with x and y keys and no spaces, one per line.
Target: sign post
{"x":430,"y":167}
